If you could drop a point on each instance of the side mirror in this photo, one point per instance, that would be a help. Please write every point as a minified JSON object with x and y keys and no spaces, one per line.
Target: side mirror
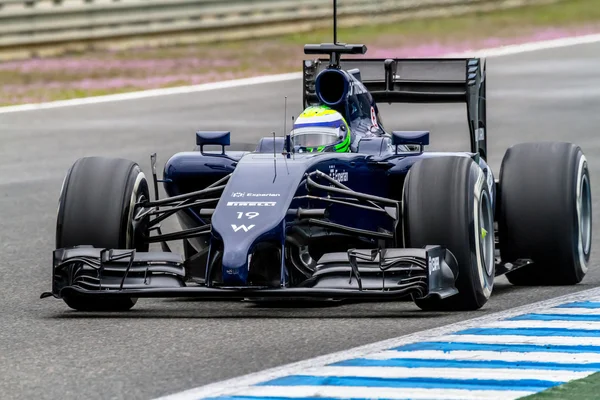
{"x":217,"y":138}
{"x":418,"y":138}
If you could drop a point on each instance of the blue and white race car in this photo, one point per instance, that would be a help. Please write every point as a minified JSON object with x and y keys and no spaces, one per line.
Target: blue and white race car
{"x":339,"y":208}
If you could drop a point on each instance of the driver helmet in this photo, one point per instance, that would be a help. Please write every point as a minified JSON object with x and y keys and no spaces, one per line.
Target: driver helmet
{"x":321,"y":129}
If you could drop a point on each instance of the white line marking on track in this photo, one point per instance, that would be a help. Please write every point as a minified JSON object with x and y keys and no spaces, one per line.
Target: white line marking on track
{"x":258,"y":80}
{"x":595,"y":325}
{"x":535,"y":356}
{"x":571,"y":311}
{"x":441,"y":334}
{"x":381,"y":393}
{"x":449,"y":373}
{"x":492,"y":52}
{"x":531,"y":46}
{"x":515,"y":339}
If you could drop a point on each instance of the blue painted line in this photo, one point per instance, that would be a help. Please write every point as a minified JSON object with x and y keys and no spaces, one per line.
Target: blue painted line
{"x":555,"y":317}
{"x":519,"y":348}
{"x":531,"y":332}
{"x":420,"y":383}
{"x":580,"y":304}
{"x":433,"y":363}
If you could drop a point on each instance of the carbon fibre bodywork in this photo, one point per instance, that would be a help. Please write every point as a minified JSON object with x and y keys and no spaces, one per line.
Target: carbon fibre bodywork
{"x":271,"y":186}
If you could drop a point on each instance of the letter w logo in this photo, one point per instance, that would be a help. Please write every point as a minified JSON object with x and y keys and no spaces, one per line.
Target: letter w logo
{"x":244,"y":227}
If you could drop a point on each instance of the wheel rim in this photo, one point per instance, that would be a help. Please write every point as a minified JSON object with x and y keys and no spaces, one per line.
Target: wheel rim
{"x":486,"y":232}
{"x":584,"y":203}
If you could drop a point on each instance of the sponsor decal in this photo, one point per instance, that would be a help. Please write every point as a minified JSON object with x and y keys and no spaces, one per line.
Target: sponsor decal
{"x":237,"y":228}
{"x":246,"y":194}
{"x":374,"y":117}
{"x":356,"y":88}
{"x":340,"y":176}
{"x":251,"y":203}
{"x":263,"y":194}
{"x":490,"y":183}
{"x":480,"y":134}
{"x":434,"y":264}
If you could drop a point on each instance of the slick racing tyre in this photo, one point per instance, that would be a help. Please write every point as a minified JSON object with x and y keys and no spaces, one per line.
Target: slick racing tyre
{"x":96,"y":208}
{"x":545,"y":213}
{"x":447,"y":202}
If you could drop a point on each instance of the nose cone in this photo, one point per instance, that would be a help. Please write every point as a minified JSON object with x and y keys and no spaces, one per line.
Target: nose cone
{"x":253,"y":208}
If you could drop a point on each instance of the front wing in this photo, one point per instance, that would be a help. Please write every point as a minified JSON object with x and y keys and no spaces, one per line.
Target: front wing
{"x":358,"y":274}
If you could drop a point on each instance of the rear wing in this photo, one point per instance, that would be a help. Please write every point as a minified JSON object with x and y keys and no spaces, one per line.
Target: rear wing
{"x":443,"y":80}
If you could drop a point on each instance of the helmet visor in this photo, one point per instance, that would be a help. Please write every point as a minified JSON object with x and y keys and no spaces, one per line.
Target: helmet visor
{"x":312,"y":137}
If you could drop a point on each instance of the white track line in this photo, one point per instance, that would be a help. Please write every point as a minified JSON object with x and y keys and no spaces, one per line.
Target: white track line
{"x":154,"y":93}
{"x":482,"y":355}
{"x":595,"y":325}
{"x":571,"y":311}
{"x":444,"y":333}
{"x":529,"y":47}
{"x":492,"y":52}
{"x":342,"y":392}
{"x":515,"y":339}
{"x":449,"y":373}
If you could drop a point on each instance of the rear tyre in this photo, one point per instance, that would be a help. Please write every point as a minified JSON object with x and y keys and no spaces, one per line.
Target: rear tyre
{"x":545,"y":213}
{"x":96,"y":208}
{"x":447,"y":202}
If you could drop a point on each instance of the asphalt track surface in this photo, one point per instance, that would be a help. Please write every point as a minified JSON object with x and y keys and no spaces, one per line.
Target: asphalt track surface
{"x":165,"y":346}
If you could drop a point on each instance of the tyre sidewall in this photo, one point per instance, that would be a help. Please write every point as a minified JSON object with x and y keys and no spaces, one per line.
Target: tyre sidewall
{"x":102,"y":212}
{"x":92,"y":190}
{"x":135,"y":231}
{"x":441,"y":207}
{"x":480,"y":280}
{"x":539,"y":215}
{"x":581,"y":256}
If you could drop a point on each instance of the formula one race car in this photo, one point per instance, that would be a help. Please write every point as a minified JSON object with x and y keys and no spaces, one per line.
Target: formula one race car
{"x":383,"y":220}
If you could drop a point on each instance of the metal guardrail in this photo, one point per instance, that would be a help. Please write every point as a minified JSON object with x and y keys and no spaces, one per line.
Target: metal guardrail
{"x":50,"y":24}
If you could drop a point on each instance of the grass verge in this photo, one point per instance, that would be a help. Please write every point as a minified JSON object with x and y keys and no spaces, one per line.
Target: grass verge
{"x":90,"y":74}
{"x":581,"y":389}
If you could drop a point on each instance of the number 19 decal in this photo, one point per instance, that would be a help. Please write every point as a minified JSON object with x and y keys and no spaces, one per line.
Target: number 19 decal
{"x":249,"y":215}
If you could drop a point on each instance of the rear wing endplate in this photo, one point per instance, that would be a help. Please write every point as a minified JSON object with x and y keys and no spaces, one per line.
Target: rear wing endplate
{"x":431,"y":80}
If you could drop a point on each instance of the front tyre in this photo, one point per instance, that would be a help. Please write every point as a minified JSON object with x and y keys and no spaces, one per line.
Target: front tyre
{"x":96,"y":207}
{"x":447,"y":202}
{"x":545,"y":213}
